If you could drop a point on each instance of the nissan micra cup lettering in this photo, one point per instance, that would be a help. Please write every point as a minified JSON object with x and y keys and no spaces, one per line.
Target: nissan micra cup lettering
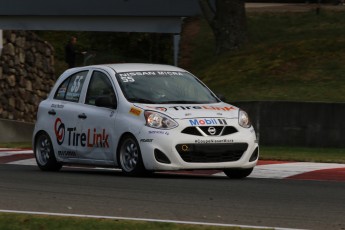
{"x":141,"y":118}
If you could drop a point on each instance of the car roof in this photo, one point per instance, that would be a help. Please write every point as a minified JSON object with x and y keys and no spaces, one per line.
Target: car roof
{"x":129,"y":67}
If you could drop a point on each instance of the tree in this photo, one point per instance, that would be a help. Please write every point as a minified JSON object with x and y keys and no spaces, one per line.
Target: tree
{"x":227,"y":19}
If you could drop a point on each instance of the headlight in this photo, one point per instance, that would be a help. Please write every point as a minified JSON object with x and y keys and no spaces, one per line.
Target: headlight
{"x":159,"y":120}
{"x":243,"y":119}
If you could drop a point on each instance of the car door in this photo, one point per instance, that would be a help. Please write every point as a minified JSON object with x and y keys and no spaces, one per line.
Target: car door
{"x":62,"y":115}
{"x":96,"y":120}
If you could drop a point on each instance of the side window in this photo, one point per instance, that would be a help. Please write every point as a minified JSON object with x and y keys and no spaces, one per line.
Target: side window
{"x":70,"y":89}
{"x":100,"y":86}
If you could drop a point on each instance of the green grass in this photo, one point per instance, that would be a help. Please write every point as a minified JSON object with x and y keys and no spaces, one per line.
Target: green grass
{"x":325,"y":155}
{"x":34,"y":222}
{"x":23,"y":145}
{"x":289,"y":56}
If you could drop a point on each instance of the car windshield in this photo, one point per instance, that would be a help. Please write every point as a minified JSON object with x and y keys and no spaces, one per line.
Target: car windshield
{"x":164,"y":87}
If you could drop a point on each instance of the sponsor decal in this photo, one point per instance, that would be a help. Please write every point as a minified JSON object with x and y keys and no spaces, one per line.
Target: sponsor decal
{"x":128,"y":77}
{"x":159,"y":132}
{"x":137,"y":73}
{"x":204,"y":121}
{"x":198,"y":122}
{"x":92,"y":138}
{"x":57,"y":106}
{"x":169,"y":73}
{"x":59,"y":129}
{"x":146,"y":140}
{"x":135,"y":111}
{"x":67,"y":154}
{"x":204,"y":107}
{"x":199,"y":141}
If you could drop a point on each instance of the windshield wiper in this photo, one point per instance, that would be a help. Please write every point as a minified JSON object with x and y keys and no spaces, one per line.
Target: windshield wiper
{"x":141,"y":100}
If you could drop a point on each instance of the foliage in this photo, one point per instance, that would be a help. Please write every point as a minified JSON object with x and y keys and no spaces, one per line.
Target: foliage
{"x":290,"y":56}
{"x":111,"y":47}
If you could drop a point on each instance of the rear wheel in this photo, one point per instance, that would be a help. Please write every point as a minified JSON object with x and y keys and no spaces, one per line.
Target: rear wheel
{"x":129,"y":157}
{"x":44,"y":153}
{"x":238,"y":173}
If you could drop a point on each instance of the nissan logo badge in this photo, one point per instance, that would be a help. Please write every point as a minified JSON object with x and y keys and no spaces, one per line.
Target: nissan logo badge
{"x":212,"y":130}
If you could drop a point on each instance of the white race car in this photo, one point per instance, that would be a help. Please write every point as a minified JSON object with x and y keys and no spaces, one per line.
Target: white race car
{"x":141,"y":118}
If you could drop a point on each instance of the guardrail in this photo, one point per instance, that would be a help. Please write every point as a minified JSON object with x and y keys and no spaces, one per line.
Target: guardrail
{"x":309,"y":124}
{"x":15,"y":131}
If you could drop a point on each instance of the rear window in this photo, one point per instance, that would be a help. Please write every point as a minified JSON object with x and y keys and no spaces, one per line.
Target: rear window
{"x":70,"y":89}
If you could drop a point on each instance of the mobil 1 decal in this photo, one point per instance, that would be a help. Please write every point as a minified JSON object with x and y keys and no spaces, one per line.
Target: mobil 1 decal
{"x":91,"y":138}
{"x":207,"y":121}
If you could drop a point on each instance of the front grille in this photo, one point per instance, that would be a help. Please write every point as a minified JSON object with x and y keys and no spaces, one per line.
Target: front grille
{"x":229,"y":130}
{"x":206,"y":131}
{"x":192,"y":131}
{"x":211,"y":153}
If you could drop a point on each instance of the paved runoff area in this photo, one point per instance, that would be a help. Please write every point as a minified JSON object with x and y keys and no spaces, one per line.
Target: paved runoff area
{"x":264,"y":169}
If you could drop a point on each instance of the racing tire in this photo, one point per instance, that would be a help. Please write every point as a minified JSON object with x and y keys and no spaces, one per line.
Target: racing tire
{"x":238,"y":173}
{"x":44,"y":153}
{"x":129,"y":157}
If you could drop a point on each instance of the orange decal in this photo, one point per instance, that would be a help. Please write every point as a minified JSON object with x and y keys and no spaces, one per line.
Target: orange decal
{"x":135,"y":111}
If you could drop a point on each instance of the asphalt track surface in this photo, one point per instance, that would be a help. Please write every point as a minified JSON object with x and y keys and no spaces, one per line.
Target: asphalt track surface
{"x":302,"y":204}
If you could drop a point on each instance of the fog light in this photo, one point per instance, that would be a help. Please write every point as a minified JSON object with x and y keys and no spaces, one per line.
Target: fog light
{"x":161,"y":157}
{"x":255,"y":155}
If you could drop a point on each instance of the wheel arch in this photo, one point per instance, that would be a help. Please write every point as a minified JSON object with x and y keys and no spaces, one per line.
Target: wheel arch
{"x":34,"y":139}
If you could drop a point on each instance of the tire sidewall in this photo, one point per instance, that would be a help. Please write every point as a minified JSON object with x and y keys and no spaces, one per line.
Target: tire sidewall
{"x":139,"y":169}
{"x":52,"y":164}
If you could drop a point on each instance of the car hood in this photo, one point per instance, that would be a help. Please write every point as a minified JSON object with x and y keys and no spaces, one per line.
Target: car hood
{"x":181,"y":111}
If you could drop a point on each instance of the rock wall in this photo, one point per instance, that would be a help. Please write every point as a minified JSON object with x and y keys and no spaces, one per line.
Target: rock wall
{"x":26,"y":74}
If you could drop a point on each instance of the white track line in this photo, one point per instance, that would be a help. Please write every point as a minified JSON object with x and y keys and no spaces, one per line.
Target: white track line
{"x":9,"y":153}
{"x":30,"y":161}
{"x":142,"y":219}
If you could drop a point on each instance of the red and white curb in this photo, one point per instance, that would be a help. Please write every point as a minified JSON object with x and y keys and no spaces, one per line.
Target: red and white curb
{"x":264,"y":169}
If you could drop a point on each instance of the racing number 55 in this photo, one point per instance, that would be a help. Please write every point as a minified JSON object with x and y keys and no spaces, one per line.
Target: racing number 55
{"x":76,"y":84}
{"x":127,"y":79}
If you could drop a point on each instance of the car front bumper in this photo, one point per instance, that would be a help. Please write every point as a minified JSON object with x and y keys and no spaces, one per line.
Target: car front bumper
{"x":175,"y":150}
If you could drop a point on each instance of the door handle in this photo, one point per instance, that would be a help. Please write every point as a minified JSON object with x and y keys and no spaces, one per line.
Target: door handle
{"x":52,"y":112}
{"x":82,"y":116}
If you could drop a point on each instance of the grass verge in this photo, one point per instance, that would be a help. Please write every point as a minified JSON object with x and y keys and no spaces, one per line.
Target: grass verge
{"x":21,"y":145}
{"x":324,"y":155}
{"x":33,"y":222}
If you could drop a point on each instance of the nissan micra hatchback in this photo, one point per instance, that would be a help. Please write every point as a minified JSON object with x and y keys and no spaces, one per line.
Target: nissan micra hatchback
{"x":141,"y":118}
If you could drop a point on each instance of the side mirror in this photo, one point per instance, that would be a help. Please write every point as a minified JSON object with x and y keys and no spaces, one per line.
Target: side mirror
{"x":106,"y":101}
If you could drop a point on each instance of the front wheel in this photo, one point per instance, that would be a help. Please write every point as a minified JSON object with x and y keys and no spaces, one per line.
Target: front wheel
{"x":44,"y":153}
{"x":238,"y":173}
{"x":129,"y":157}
